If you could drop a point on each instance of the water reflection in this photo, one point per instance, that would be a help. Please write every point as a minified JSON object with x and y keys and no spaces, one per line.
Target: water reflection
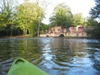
{"x":13,"y":48}
{"x":56,"y":56}
{"x":94,"y":51}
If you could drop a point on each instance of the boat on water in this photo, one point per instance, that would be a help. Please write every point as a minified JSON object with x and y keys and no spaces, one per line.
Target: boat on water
{"x":21,"y":66}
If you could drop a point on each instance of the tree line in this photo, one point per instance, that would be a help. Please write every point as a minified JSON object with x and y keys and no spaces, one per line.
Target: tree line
{"x":94,"y":20}
{"x":62,"y":15}
{"x":26,"y":18}
{"x":20,"y":19}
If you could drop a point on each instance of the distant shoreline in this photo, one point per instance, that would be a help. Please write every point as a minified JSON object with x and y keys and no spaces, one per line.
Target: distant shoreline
{"x":28,"y":36}
{"x":18,"y":36}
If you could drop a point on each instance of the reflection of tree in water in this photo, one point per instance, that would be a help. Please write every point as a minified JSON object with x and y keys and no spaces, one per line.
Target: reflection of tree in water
{"x":10,"y":49}
{"x":94,"y":51}
{"x":31,"y":50}
{"x":61,"y":49}
{"x":26,"y":48}
{"x":4,"y":49}
{"x":66,"y":49}
{"x":5,"y":57}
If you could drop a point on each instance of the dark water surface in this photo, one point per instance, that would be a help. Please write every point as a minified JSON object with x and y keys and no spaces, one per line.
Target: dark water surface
{"x":56,"y":56}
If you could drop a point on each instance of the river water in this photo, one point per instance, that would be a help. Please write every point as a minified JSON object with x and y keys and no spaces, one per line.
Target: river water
{"x":56,"y":56}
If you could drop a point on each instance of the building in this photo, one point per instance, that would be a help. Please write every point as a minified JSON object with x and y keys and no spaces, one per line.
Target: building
{"x":57,"y":31}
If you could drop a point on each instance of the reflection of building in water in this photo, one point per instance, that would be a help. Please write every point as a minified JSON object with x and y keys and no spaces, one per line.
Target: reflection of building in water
{"x":78,"y":47}
{"x":59,"y":43}
{"x":57,"y":31}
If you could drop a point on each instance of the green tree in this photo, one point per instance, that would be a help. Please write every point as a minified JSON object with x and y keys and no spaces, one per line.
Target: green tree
{"x":7,"y":8}
{"x":95,"y":14}
{"x":43,"y":4}
{"x":91,"y":21}
{"x":78,"y":19}
{"x":28,"y":15}
{"x":95,"y":11}
{"x":62,"y":16}
{"x":44,"y":28}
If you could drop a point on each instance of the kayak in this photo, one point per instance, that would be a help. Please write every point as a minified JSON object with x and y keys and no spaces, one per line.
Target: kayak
{"x":21,"y":66}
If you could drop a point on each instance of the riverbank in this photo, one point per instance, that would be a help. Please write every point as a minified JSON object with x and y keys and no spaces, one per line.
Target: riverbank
{"x":28,"y":36}
{"x":19,"y":36}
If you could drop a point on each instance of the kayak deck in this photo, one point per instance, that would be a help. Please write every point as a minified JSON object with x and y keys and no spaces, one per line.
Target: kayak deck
{"x":22,"y":67}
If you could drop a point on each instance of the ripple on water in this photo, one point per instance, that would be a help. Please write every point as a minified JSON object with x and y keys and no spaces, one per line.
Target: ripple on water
{"x":56,"y":56}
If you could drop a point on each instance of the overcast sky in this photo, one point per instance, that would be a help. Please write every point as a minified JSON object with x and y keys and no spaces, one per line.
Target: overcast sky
{"x":77,"y":6}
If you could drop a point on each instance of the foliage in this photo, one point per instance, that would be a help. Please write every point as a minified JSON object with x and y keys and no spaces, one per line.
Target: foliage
{"x":7,"y":8}
{"x":43,"y":28}
{"x":92,"y":21}
{"x":95,"y":32}
{"x":6,"y":12}
{"x":28,"y":16}
{"x":95,"y":11}
{"x":24,"y":18}
{"x":62,"y":16}
{"x":78,"y":19}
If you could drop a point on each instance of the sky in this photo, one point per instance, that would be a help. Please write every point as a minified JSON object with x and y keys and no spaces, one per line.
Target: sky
{"x":77,"y":6}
